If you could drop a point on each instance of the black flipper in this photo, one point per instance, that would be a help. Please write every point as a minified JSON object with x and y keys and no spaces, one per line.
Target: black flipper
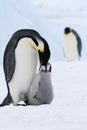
{"x":6,"y":101}
{"x":79,"y":45}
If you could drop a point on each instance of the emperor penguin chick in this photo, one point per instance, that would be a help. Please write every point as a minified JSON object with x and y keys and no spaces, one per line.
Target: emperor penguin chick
{"x":41,"y":90}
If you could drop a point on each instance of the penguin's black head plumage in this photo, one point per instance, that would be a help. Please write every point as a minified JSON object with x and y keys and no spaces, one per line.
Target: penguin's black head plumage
{"x":45,"y":56}
{"x":47,"y":68}
{"x":67,"y":30}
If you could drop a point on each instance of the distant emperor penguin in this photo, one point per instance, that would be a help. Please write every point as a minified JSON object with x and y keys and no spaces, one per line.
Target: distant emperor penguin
{"x":25,"y":48}
{"x":72,"y":45}
{"x":41,"y":90}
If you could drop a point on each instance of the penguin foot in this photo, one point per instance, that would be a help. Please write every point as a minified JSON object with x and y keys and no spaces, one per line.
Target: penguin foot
{"x":26,"y":102}
{"x":21,"y":104}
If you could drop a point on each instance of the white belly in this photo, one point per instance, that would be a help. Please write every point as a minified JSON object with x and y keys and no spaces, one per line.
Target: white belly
{"x":70,"y":47}
{"x":25,"y":69}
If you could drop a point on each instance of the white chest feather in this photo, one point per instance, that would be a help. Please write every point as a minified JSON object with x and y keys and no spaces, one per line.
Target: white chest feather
{"x":25,"y":68}
{"x":70,"y":47}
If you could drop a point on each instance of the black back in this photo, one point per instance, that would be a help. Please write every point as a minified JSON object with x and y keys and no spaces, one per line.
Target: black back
{"x":79,"y":42}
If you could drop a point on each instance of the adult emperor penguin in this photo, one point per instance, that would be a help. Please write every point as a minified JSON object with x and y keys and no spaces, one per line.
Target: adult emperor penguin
{"x":41,"y":90}
{"x":20,"y":63}
{"x":71,"y":44}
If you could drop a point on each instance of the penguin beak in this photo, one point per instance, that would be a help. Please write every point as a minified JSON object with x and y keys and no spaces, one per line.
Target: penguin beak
{"x":41,"y":50}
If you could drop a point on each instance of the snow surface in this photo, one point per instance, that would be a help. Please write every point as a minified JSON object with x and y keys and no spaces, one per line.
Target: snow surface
{"x":68,"y":110}
{"x":48,"y":18}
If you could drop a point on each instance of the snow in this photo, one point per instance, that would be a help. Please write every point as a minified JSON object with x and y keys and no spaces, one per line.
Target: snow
{"x":68,"y":109}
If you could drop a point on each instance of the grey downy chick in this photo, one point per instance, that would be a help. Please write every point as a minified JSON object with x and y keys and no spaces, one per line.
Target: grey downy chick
{"x":41,"y":90}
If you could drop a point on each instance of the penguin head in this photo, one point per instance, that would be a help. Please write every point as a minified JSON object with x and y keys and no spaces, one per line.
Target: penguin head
{"x":47,"y":68}
{"x":43,"y":49}
{"x":45,"y":56}
{"x":67,"y":30}
{"x":39,"y":46}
